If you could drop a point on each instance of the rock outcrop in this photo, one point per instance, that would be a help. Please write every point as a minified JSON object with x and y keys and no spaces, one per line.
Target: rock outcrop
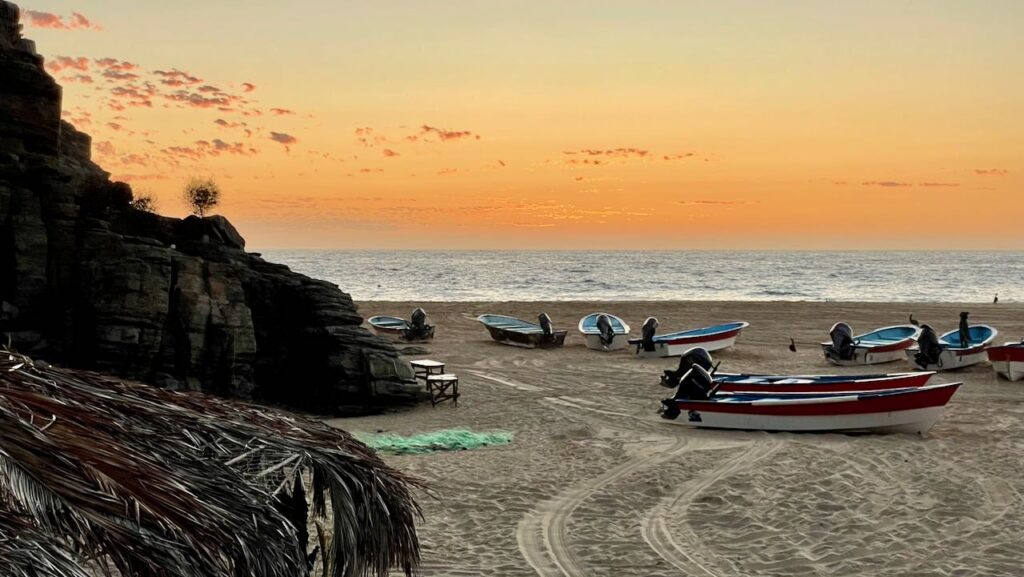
{"x":87,"y":280}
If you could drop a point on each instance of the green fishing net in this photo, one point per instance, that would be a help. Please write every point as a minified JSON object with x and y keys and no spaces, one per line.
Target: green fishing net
{"x":443,"y":440}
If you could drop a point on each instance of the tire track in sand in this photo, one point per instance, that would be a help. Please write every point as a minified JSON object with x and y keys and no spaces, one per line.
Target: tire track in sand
{"x":654,"y":528}
{"x":541,"y":533}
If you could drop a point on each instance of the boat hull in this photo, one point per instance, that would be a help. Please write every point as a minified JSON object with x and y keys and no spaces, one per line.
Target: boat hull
{"x":768,"y":384}
{"x":679,"y":346}
{"x":618,"y":343}
{"x":870,"y":355}
{"x":950,"y":359}
{"x":905,"y":410}
{"x":1008,"y":361}
{"x":527,"y":340}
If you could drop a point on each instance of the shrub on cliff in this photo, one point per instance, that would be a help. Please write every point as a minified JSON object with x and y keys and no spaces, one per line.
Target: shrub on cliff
{"x":201,"y":195}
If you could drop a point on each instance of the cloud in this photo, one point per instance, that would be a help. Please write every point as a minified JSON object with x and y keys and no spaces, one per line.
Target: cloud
{"x":611,"y":153}
{"x":77,"y":78}
{"x":68,"y":63}
{"x":390,"y":153}
{"x":991,"y":171}
{"x":248,"y":87}
{"x":940,"y":184}
{"x":105,"y":148}
{"x":116,"y":65}
{"x":886,"y":183}
{"x":711,"y":202}
{"x":444,"y":134}
{"x":114,"y":126}
{"x":669,"y":157}
{"x":76,"y":21}
{"x":281,"y":111}
{"x":286,"y":139}
{"x":219,"y":100}
{"x":177,"y":78}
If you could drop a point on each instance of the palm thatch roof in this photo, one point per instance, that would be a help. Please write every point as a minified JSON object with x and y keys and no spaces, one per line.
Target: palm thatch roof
{"x":100,"y":476}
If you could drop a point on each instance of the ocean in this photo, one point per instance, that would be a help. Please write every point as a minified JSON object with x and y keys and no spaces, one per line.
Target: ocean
{"x":683,"y":275}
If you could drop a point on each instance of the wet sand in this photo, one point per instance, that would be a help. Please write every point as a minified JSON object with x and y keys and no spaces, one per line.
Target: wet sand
{"x":596,"y":484}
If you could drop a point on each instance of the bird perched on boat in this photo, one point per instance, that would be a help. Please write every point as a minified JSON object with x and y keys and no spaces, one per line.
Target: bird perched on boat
{"x":996,"y":299}
{"x":913,"y":322}
{"x":792,"y":344}
{"x":965,"y":330}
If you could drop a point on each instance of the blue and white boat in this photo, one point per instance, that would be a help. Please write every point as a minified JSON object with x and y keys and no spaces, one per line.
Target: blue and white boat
{"x":608,"y":334}
{"x":878,"y":346}
{"x":949,"y":353}
{"x":711,"y":338}
{"x":520,"y":333}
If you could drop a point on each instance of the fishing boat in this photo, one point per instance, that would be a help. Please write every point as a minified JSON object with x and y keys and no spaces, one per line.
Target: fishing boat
{"x":520,"y":333}
{"x":780,"y":384}
{"x":1008,"y":360}
{"x":906,"y":410}
{"x":946,"y":353}
{"x":879,"y":346}
{"x":415,"y":330}
{"x":607,"y":334}
{"x":674,"y":344}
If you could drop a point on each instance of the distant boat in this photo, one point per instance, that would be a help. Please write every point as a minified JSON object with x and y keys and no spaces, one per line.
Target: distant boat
{"x":879,"y":346}
{"x":780,"y":384}
{"x":402,"y":329}
{"x":520,"y":333}
{"x":614,"y":335}
{"x":1008,"y":360}
{"x":674,"y":344}
{"x":946,"y":354}
{"x":909,"y":410}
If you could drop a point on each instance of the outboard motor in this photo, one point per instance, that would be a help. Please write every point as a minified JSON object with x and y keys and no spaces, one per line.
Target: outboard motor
{"x":696,"y":385}
{"x":604,"y":325}
{"x":418,"y":327}
{"x":930,"y":348}
{"x":647,"y":334}
{"x":965,"y":330}
{"x":697,"y":357}
{"x":842,"y":342}
{"x":545,"y":324}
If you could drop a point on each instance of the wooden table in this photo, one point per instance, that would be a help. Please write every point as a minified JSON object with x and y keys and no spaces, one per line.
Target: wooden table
{"x":443,"y":387}
{"x":426,"y":367}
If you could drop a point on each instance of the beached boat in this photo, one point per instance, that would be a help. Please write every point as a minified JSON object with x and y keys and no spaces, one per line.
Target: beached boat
{"x":879,"y":346}
{"x":674,"y":344}
{"x":520,"y":333}
{"x":1008,"y":360}
{"x":908,"y":410}
{"x":402,"y":329}
{"x":779,"y":384}
{"x":946,"y":354}
{"x":604,"y":335}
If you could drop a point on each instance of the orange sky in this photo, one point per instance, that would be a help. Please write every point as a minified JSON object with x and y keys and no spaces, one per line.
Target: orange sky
{"x":574,"y":124}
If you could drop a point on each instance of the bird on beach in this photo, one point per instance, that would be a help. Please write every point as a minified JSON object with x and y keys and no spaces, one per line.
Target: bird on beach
{"x":996,"y":299}
{"x":792,"y":344}
{"x":913,"y":322}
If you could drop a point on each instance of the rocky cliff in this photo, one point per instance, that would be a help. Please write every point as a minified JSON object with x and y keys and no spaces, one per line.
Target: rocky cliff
{"x":87,"y":280}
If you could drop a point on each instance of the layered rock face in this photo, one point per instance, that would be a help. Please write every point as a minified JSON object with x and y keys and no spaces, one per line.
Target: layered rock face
{"x":87,"y":280}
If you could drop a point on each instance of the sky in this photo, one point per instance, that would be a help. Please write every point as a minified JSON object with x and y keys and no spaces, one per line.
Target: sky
{"x":473,"y":124}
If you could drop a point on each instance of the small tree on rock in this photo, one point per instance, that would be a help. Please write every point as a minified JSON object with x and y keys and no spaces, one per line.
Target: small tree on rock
{"x":201,"y":195}
{"x":145,"y":201}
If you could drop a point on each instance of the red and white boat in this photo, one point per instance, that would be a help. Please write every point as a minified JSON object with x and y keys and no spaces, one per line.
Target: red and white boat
{"x":674,"y":344}
{"x":1008,"y":360}
{"x":909,"y":410}
{"x":779,"y":384}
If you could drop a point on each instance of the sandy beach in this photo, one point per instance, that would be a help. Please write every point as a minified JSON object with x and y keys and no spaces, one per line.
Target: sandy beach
{"x":595,"y":483}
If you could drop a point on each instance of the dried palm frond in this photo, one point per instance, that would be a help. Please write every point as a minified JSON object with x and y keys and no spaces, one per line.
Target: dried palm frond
{"x":159,"y":483}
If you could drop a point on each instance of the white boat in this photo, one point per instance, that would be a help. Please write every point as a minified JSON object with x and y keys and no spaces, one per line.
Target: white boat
{"x":675,"y":344}
{"x":910,"y":410}
{"x":949,"y":354}
{"x":878,"y":346}
{"x":1008,"y":360}
{"x":614,"y":337}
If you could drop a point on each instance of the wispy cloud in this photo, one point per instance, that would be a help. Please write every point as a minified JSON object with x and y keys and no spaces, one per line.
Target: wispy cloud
{"x":76,"y":21}
{"x":887,"y":183}
{"x":991,"y":171}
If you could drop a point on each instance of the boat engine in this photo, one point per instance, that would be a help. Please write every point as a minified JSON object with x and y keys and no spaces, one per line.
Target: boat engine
{"x":842,"y":342}
{"x":697,"y":384}
{"x":604,"y":325}
{"x":418,"y":327}
{"x":545,"y":324}
{"x":697,"y":357}
{"x":647,"y":333}
{"x":930,"y":352}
